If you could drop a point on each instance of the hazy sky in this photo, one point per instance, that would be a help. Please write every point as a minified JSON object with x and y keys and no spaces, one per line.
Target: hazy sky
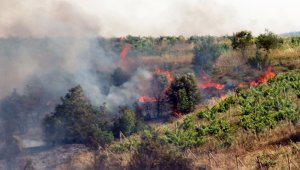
{"x":146,"y":17}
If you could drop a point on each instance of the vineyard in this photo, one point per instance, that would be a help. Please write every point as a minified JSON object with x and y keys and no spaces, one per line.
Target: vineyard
{"x":254,"y":110}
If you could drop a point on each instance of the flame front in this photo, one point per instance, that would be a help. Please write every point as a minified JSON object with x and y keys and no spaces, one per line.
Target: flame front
{"x":207,"y":82}
{"x":169,"y":77}
{"x":268,"y":74}
{"x":168,"y":74}
{"x":124,"y":51}
{"x":144,"y":99}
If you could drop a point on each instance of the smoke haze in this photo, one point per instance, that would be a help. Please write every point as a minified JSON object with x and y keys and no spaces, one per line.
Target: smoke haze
{"x":145,"y":17}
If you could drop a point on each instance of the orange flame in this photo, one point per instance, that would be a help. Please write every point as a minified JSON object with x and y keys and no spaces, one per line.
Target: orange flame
{"x":242,"y":85}
{"x":123,"y":63}
{"x":169,"y":77}
{"x":124,"y":51}
{"x":268,"y":74}
{"x":144,"y":99}
{"x":207,"y":82}
{"x":168,"y":74}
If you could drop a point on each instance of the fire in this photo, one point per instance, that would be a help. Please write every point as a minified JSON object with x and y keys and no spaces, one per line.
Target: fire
{"x":123,"y":63}
{"x":124,"y":51}
{"x":207,"y":83}
{"x":169,"y":78}
{"x":144,"y":99}
{"x":242,"y":85}
{"x":168,"y":74}
{"x":268,"y":74}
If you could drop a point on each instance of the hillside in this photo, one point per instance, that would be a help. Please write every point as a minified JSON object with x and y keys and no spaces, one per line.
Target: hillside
{"x":246,"y":116}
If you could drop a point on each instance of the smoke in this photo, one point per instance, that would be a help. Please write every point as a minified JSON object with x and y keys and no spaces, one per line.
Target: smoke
{"x":144,"y":17}
{"x":33,"y":18}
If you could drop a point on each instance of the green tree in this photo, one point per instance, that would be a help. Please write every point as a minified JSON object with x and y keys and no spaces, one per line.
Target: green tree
{"x":183,"y":93}
{"x":205,"y":54}
{"x":75,"y":121}
{"x":268,"y":41}
{"x":126,"y":122}
{"x":241,"y":40}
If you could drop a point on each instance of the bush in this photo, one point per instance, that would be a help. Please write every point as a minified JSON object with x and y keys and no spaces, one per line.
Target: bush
{"x":155,"y":154}
{"x":241,"y":40}
{"x":205,"y":54}
{"x":126,"y":122}
{"x":268,"y":41}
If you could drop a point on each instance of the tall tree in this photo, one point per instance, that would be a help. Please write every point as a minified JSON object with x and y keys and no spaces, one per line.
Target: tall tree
{"x":183,"y":93}
{"x":75,"y":121}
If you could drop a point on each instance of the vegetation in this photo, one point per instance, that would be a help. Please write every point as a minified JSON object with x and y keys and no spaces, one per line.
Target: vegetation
{"x":126,"y":123}
{"x":183,"y":93}
{"x":153,"y":153}
{"x":268,"y":41}
{"x":241,"y":40}
{"x":246,"y":114}
{"x":75,"y":121}
{"x":260,"y":108}
{"x":205,"y":54}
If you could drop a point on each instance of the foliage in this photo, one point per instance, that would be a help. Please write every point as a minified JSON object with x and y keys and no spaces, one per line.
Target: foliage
{"x":268,"y":160}
{"x":183,"y":93}
{"x":153,"y":153}
{"x":241,"y":40}
{"x":268,"y":41}
{"x":189,"y":135}
{"x":223,"y":106}
{"x":125,"y":145}
{"x":268,"y":104}
{"x":126,"y":122}
{"x":205,"y":54}
{"x":259,"y":108}
{"x":75,"y":121}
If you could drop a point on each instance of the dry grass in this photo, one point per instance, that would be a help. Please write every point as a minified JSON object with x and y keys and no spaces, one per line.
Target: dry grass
{"x":289,"y":53}
{"x":186,"y":59}
{"x":286,"y":59}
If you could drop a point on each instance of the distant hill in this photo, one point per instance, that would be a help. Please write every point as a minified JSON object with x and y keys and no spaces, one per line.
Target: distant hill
{"x":289,"y":34}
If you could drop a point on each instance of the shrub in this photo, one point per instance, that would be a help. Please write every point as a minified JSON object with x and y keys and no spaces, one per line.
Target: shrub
{"x":206,"y":53}
{"x":268,"y":41}
{"x":126,"y":122}
{"x":241,"y":40}
{"x":152,"y":153}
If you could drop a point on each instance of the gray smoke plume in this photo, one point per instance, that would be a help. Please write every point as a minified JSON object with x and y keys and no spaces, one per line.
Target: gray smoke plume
{"x":70,"y":55}
{"x":33,"y":18}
